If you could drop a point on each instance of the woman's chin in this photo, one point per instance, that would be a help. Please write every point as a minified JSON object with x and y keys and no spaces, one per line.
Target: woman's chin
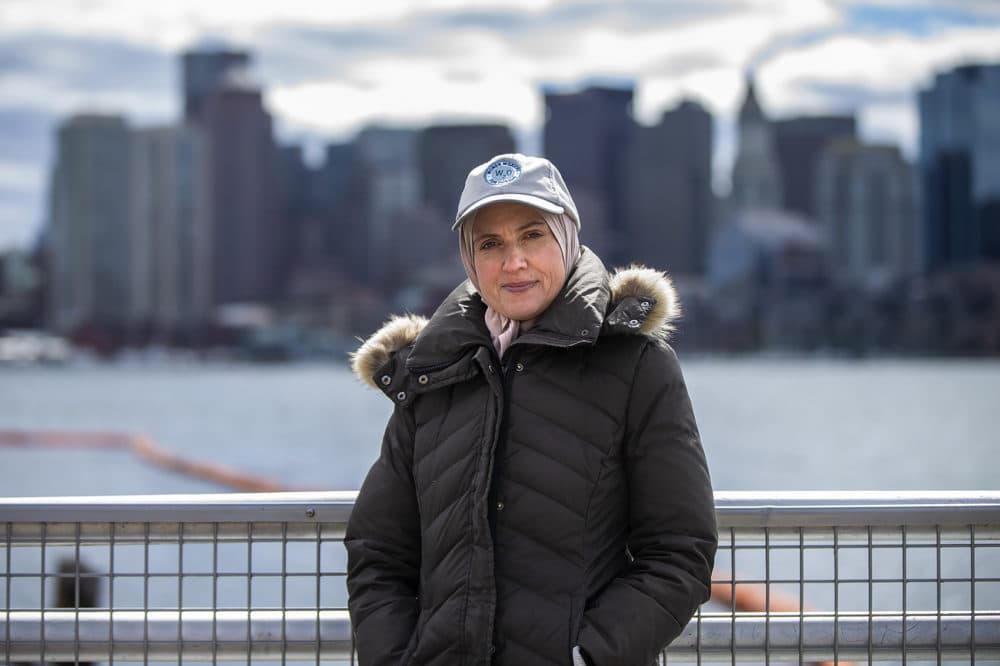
{"x":521,"y":311}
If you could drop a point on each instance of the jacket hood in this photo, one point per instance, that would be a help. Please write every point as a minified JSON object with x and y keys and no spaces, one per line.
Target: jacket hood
{"x":640,"y":301}
{"x":397,"y":333}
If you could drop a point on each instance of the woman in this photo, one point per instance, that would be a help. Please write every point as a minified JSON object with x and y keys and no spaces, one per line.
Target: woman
{"x":541,"y":496}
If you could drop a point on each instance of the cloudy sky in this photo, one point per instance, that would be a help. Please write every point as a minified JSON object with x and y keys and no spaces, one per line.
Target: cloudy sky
{"x":330,"y":68}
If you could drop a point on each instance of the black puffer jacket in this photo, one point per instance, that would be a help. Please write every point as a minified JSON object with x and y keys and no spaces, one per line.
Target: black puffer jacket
{"x":517,"y":509}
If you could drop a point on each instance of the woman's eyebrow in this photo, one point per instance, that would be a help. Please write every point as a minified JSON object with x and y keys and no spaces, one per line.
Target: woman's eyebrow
{"x":526,"y":225}
{"x":480,"y":237}
{"x":490,"y":234}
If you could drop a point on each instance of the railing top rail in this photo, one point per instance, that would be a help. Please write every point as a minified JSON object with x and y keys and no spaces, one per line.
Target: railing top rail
{"x":326,"y":506}
{"x":736,"y":509}
{"x":858,"y":508}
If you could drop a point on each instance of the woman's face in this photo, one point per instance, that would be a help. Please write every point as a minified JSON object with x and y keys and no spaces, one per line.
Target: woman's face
{"x":518,"y":261}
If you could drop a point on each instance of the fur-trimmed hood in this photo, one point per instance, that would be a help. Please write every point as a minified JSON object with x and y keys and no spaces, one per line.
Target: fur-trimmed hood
{"x":640,"y":301}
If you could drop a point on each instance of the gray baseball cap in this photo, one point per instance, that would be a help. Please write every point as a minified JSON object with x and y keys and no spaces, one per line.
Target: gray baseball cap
{"x":534,"y":181}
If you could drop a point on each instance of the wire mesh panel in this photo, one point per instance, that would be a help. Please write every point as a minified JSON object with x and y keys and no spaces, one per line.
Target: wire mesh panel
{"x":799,"y":578}
{"x":214,"y":584}
{"x":851,"y":578}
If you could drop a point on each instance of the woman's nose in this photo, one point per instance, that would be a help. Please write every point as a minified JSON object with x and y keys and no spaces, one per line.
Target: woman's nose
{"x":514,"y":259}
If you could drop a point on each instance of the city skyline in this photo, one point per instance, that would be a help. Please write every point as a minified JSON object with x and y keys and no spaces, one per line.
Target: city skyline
{"x":328,"y":72}
{"x":333,"y":246}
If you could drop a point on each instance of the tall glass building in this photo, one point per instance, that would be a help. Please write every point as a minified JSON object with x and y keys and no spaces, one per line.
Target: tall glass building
{"x":960,"y":166}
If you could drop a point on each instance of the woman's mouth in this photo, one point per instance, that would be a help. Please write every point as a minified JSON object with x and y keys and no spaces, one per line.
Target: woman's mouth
{"x":518,"y":287}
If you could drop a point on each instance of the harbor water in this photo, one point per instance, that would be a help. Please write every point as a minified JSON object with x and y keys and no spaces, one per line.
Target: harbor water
{"x":766,"y":424}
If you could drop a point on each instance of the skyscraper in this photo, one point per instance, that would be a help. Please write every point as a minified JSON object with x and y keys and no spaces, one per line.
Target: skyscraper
{"x":244,"y":173}
{"x":586,"y":135}
{"x":337,"y":191}
{"x":799,"y":143}
{"x":92,"y":267}
{"x":389,"y":184}
{"x":298,"y":211}
{"x":205,"y":72}
{"x":756,"y":172}
{"x":960,"y":166}
{"x":171,"y":232}
{"x":669,"y":194}
{"x":866,"y":201}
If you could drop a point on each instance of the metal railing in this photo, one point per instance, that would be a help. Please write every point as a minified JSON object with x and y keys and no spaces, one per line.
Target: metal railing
{"x":842,"y":577}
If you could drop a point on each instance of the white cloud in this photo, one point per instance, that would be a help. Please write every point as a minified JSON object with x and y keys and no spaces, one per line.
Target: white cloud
{"x":982,"y":7}
{"x":881,"y":63}
{"x":877,"y":76}
{"x":340,"y":109}
{"x":33,"y":92}
{"x":18,"y":176}
{"x":177,"y":23}
{"x":669,"y":59}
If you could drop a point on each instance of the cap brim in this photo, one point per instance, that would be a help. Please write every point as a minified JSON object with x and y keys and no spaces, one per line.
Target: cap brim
{"x":528,"y":199}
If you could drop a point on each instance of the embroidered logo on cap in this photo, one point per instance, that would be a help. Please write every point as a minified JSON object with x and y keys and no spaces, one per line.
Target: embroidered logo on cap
{"x":502,"y":171}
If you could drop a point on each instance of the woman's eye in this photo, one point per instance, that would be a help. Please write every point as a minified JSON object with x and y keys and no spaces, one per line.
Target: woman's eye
{"x":487,"y":245}
{"x":534,"y":234}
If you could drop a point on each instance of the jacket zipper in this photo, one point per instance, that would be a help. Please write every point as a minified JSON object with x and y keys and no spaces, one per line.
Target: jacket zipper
{"x":499,"y":451}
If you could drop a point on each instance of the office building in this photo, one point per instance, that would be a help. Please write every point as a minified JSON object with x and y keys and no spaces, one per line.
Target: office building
{"x":204,"y":72}
{"x":91,"y":264}
{"x":800,"y":143}
{"x":866,"y":200}
{"x":670,"y":203}
{"x":388,"y":191}
{"x":586,"y":134}
{"x":960,"y":166}
{"x":171,"y":242}
{"x":245,"y":195}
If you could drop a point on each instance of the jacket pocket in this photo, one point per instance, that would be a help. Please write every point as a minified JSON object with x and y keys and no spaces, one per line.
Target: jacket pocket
{"x":411,"y":648}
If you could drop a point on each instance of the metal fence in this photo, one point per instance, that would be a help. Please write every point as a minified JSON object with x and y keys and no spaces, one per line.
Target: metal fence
{"x":801,"y":577}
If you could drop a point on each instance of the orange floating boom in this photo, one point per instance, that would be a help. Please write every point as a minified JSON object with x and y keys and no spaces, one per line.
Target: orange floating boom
{"x":144,"y":447}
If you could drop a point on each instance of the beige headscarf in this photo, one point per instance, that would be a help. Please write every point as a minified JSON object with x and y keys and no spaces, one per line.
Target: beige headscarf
{"x":504,"y":330}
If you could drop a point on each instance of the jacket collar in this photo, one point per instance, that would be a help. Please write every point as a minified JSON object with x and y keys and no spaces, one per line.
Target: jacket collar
{"x":634,"y":300}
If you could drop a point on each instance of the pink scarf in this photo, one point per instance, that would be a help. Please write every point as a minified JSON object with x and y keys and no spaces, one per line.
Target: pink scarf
{"x":503,"y":331}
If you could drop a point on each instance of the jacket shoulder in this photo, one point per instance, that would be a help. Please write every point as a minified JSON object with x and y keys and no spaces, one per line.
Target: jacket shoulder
{"x":396,"y":334}
{"x":643,"y":301}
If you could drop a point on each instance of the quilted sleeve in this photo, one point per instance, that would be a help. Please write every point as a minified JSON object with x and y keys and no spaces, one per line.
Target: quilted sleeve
{"x":383,"y":551}
{"x":672,"y":532}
